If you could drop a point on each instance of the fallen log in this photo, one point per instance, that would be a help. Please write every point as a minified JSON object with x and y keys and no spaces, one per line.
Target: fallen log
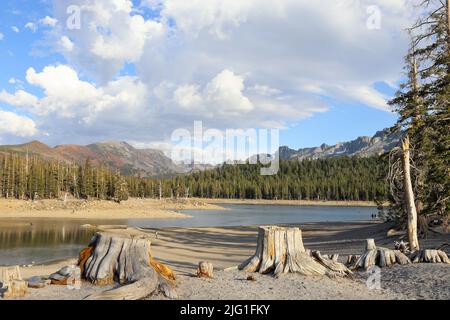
{"x":281,"y":250}
{"x":124,"y":256}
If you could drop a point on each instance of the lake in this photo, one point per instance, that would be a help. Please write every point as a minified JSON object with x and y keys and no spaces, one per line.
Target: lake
{"x":44,"y":240}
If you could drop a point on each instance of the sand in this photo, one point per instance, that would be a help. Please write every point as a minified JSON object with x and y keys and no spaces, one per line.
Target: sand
{"x":183,"y":248}
{"x":100,"y":209}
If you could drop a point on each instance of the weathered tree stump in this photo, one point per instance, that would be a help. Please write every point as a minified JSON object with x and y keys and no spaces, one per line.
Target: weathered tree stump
{"x":429,"y":256}
{"x":12,"y":282}
{"x":280,"y":250}
{"x":205,"y":270}
{"x":381,"y":257}
{"x":16,"y":288}
{"x":124,"y":256}
{"x":8,"y":274}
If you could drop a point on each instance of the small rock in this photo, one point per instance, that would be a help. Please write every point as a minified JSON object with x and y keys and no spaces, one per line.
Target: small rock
{"x":251,"y":278}
{"x":38,"y":282}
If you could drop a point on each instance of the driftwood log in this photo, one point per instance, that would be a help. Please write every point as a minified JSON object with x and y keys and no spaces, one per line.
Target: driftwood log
{"x":378,"y":256}
{"x":281,"y":250}
{"x":124,"y":256}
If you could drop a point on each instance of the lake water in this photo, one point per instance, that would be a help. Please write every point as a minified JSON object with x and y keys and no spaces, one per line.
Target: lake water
{"x":39,"y":241}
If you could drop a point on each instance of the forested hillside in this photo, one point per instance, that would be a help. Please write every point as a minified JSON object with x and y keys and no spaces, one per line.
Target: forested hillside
{"x":327,"y":179}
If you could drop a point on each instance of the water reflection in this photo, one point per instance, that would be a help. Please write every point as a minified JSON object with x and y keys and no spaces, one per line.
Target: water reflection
{"x":43,"y":235}
{"x":40,"y":241}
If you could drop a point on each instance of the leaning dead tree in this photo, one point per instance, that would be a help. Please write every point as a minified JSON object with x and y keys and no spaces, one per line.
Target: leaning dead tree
{"x":124,"y":256}
{"x":281,"y":250}
{"x":378,"y":256}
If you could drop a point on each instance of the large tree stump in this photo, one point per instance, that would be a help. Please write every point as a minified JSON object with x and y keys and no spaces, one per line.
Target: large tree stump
{"x":381,"y":257}
{"x":124,"y":256}
{"x":280,"y":250}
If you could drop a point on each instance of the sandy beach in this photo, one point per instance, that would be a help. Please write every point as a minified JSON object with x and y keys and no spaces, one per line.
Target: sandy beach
{"x":183,"y":248}
{"x":101,"y":209}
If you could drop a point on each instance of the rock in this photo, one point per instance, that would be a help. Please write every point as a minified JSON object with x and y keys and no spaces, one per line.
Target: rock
{"x":38,"y":282}
{"x":251,"y":278}
{"x":65,"y":275}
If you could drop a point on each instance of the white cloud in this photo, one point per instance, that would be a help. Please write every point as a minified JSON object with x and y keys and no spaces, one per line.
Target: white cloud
{"x":230,"y":63}
{"x":16,"y":125}
{"x":2,"y":36}
{"x":32,"y":26}
{"x":66,"y":43}
{"x":366,"y":95}
{"x":111,"y":36}
{"x":20,"y":98}
{"x":225,"y":92}
{"x":15,"y":29}
{"x":48,"y":21}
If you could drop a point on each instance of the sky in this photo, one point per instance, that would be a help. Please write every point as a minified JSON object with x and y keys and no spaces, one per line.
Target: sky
{"x":81,"y":71}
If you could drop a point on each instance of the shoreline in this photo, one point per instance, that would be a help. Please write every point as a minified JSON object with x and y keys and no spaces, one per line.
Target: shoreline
{"x":134,"y":208}
{"x":291,"y":202}
{"x":182,"y":248}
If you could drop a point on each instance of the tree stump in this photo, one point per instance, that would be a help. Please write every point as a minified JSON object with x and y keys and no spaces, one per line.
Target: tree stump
{"x":16,"y":288}
{"x":8,"y":274}
{"x":280,"y":250}
{"x":124,"y":256}
{"x":429,"y":256}
{"x":12,"y":282}
{"x":381,"y":257}
{"x":205,"y":270}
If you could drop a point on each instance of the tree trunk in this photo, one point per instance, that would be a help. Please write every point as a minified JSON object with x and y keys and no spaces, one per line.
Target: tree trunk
{"x":409,"y":197}
{"x":124,"y":256}
{"x":280,"y":250}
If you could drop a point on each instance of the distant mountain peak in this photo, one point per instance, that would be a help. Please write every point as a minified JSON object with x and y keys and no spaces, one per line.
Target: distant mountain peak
{"x":363,"y":146}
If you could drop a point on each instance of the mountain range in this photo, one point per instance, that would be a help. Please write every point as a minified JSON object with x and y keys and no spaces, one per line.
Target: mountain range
{"x":383,"y":141}
{"x":150,"y":162}
{"x":117,"y":155}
